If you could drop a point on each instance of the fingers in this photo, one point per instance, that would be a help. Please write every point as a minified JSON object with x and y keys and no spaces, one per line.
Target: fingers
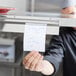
{"x":28,"y":56}
{"x":35,"y":62}
{"x":39,"y":65}
{"x":32,"y":61}
{"x":69,"y":10}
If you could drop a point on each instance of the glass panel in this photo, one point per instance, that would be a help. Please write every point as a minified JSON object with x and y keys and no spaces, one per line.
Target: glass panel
{"x":44,"y":5}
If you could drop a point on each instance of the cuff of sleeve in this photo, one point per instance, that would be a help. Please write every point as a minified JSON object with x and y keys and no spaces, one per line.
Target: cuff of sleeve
{"x":68,"y":3}
{"x":53,"y":61}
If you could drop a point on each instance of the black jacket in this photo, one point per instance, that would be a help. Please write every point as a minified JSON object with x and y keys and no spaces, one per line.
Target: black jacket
{"x":63,"y":48}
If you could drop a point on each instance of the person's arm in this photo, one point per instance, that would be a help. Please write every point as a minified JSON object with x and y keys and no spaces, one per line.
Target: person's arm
{"x":50,"y":63}
{"x":54,"y":54}
{"x":34,"y":62}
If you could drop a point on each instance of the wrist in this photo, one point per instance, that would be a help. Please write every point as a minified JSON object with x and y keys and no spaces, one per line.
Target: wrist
{"x":47,"y":68}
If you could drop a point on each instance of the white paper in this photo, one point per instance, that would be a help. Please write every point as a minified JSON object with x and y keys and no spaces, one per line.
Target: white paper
{"x":34,"y":37}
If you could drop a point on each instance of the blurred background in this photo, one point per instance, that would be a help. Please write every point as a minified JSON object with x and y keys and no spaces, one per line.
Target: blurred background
{"x":23,"y":6}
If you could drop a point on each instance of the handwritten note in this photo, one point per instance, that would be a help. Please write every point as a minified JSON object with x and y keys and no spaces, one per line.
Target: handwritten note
{"x":34,"y":37}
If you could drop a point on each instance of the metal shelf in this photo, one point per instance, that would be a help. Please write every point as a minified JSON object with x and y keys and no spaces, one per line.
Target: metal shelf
{"x":16,"y":23}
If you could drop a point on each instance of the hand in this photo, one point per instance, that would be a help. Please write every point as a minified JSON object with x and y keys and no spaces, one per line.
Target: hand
{"x":34,"y":62}
{"x":69,"y":10}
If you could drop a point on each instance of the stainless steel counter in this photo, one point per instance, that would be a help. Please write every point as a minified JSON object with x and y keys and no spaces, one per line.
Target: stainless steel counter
{"x":16,"y":23}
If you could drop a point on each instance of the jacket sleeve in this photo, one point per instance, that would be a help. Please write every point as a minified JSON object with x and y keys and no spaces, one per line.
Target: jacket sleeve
{"x":54,"y":54}
{"x":67,"y":3}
